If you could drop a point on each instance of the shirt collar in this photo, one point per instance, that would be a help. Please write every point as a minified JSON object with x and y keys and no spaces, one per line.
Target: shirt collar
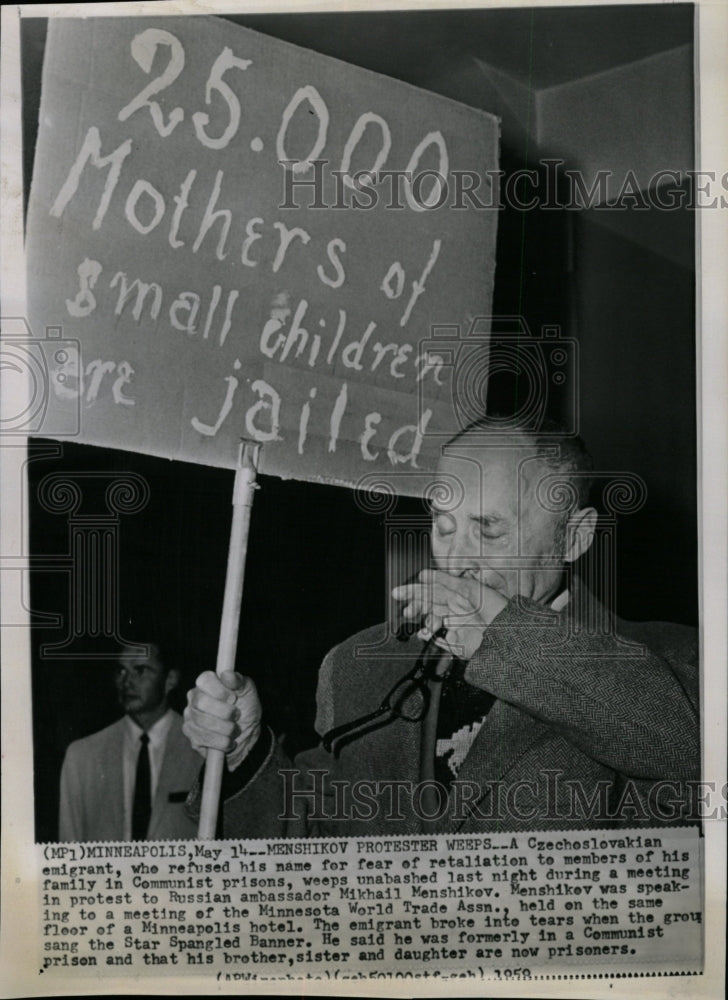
{"x":157,"y":733}
{"x":561,"y":600}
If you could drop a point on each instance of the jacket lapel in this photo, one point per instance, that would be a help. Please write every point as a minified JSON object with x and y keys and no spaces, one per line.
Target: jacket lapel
{"x":508,"y":733}
{"x":167,"y":775}
{"x":394,"y":751}
{"x":388,"y":755}
{"x":505,"y":736}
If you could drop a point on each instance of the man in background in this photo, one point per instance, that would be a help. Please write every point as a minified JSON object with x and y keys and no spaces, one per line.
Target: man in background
{"x":129,"y":781}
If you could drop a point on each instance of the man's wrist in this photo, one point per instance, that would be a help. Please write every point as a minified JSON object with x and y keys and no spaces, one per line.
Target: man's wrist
{"x":243,"y":746}
{"x":236,"y":780}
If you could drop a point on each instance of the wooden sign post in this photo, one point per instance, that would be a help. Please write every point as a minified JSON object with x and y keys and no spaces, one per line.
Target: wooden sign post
{"x":244,"y":489}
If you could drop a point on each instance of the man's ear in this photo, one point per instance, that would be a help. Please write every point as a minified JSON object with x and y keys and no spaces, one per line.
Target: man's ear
{"x":171,"y":681}
{"x":580,"y":533}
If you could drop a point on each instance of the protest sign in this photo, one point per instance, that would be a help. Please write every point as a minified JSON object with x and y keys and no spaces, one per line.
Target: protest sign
{"x":236,"y":237}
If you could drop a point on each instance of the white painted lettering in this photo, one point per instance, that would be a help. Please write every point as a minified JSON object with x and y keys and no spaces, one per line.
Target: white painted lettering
{"x":418,"y":287}
{"x":286,"y":237}
{"x":189,"y":301}
{"x":125,"y":371}
{"x":418,"y":433}
{"x":85,"y":302}
{"x":214,"y":302}
{"x":210,"y":430}
{"x":91,"y":150}
{"x":394,"y":274}
{"x":297,"y":334}
{"x":432,"y":138}
{"x":429,"y":362}
{"x":180,"y":202}
{"x":96,"y":370}
{"x":271,"y":328}
{"x":303,"y":422}
{"x":370,"y":430}
{"x":200,"y":119}
{"x":143,"y":49}
{"x":251,"y":237}
{"x":320,"y":110}
{"x":337,"y":338}
{"x":140,"y":188}
{"x":402,"y":354}
{"x":272,"y":403}
{"x":368,"y":118}
{"x":380,"y":350}
{"x":213,"y":215}
{"x":351,"y":355}
{"x":227,"y":322}
{"x":336,"y":416}
{"x":142,"y":290}
{"x":331,"y":247}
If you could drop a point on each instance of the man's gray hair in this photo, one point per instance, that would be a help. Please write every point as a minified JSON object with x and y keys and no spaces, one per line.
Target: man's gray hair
{"x":560,"y":450}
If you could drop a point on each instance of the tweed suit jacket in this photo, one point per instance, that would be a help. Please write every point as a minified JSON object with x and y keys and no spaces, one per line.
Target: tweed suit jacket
{"x":92,"y":787}
{"x":590,"y":727}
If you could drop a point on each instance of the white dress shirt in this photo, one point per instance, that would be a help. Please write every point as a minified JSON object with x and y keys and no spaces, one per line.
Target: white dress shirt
{"x":132,"y":744}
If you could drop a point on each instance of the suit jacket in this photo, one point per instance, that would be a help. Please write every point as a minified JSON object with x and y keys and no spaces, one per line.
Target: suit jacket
{"x":595,"y":723}
{"x":92,"y":787}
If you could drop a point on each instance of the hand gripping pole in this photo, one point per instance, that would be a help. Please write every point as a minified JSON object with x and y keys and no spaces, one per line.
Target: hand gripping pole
{"x":243,"y":492}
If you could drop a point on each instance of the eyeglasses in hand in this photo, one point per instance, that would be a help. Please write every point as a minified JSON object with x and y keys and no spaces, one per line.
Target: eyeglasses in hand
{"x":409,"y":699}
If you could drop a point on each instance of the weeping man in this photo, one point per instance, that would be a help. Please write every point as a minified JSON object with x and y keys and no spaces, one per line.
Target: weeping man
{"x":520,"y":703}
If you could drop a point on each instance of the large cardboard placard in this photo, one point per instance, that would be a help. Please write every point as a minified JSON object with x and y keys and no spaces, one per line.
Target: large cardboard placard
{"x":238,"y":237}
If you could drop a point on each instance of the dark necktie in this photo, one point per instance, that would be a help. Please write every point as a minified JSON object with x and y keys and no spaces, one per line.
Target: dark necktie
{"x":440,"y":663}
{"x":142,"y":807}
{"x":453,"y":703}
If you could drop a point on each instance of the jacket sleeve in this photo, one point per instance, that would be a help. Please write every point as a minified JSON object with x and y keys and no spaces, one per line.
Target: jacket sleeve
{"x":250,"y":795}
{"x":620,"y":701}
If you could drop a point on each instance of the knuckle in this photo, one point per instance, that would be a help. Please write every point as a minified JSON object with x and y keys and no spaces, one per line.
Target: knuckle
{"x":208,"y":682}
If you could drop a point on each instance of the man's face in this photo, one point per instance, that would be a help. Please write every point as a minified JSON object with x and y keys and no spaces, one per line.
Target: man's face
{"x":142,"y":683}
{"x":494,"y":529}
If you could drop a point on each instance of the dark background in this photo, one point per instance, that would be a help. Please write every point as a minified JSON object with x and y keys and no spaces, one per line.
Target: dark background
{"x":621,"y":284}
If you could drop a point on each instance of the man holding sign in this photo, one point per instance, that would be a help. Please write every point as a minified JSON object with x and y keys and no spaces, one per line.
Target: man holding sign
{"x":245,"y":239}
{"x":529,"y":706}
